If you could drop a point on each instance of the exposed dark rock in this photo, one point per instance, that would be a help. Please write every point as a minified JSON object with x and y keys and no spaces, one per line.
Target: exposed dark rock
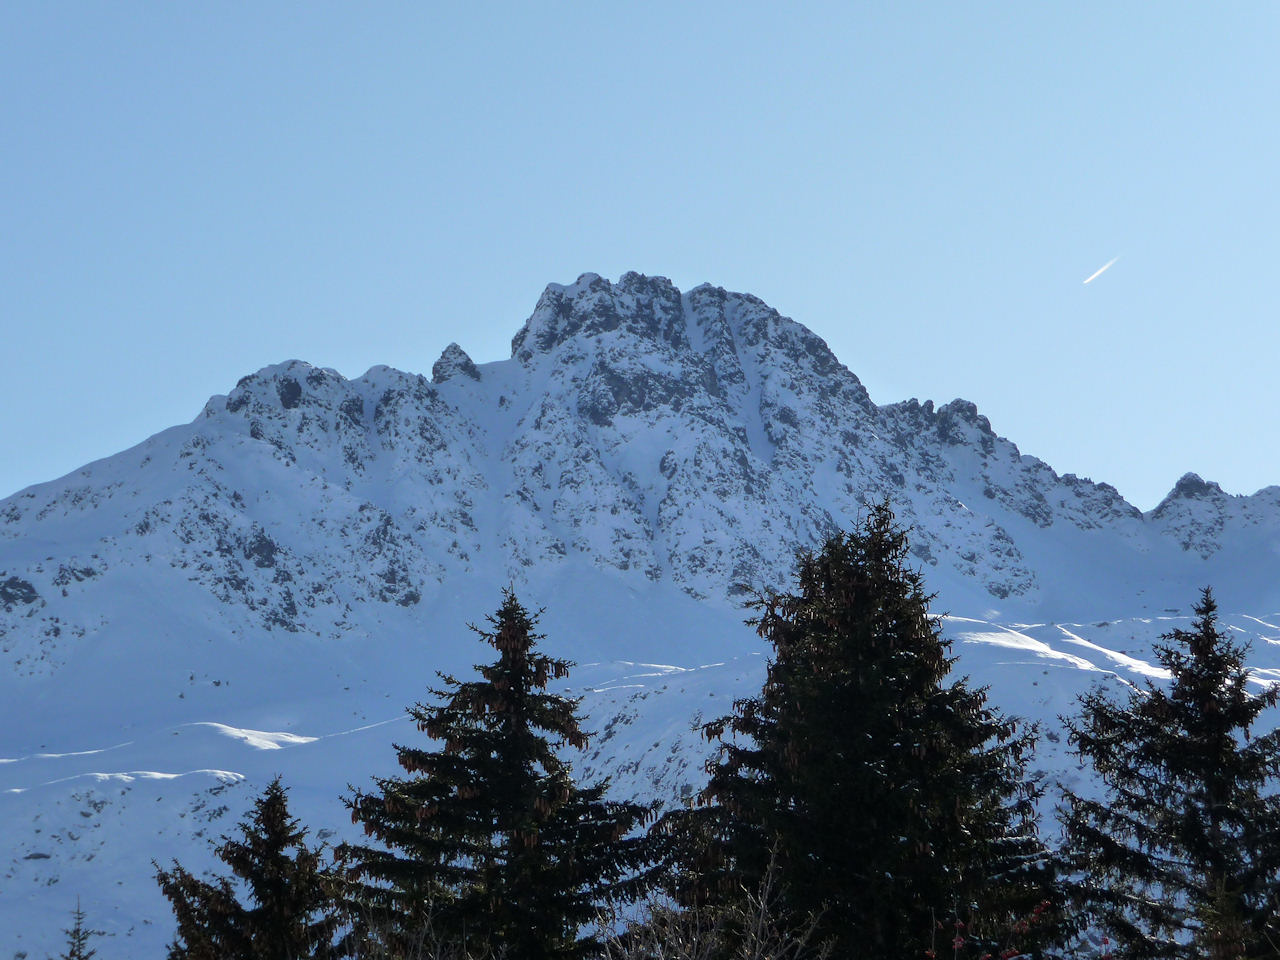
{"x":261,"y":549}
{"x":453,"y":362}
{"x":14,"y":591}
{"x":290,"y":392}
{"x":352,"y":410}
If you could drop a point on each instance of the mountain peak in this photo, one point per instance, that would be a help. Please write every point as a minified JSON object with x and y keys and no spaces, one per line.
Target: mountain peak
{"x":648,"y":307}
{"x":453,"y":361}
{"x":287,"y":385}
{"x":965,"y":411}
{"x":1191,"y":486}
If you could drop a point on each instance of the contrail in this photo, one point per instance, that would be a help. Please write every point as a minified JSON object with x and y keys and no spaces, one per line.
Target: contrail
{"x":1101,"y":270}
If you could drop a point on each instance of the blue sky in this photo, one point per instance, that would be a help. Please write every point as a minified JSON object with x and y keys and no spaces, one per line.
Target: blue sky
{"x":189,"y":193}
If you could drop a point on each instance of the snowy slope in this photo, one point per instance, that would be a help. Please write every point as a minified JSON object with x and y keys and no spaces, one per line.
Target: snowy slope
{"x":263,"y":590}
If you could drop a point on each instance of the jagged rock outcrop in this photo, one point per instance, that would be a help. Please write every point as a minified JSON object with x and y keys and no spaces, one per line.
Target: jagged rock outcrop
{"x":453,"y":362}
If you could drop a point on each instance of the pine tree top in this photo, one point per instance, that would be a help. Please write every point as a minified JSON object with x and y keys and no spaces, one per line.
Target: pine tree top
{"x":1168,"y":737}
{"x":288,"y":904}
{"x":1181,"y":849}
{"x":78,"y":937}
{"x":883,"y":788}
{"x":859,"y":603}
{"x":488,"y":828}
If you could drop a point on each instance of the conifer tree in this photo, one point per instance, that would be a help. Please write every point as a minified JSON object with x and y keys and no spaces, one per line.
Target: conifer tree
{"x":1180,"y":857}
{"x":78,"y":938}
{"x":488,"y":841}
{"x":889,"y":797}
{"x":289,"y":916}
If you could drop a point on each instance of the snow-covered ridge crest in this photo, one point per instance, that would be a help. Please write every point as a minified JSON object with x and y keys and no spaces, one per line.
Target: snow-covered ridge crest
{"x":691,"y":438}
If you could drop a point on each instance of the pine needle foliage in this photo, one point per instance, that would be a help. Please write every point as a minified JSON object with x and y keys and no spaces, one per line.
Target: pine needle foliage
{"x":890,"y":795}
{"x":289,"y":913}
{"x":78,"y":938}
{"x":1180,"y":857}
{"x":487,"y":839}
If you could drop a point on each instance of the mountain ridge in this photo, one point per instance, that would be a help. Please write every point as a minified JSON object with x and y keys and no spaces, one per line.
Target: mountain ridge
{"x":723,"y":373}
{"x":263,"y":589}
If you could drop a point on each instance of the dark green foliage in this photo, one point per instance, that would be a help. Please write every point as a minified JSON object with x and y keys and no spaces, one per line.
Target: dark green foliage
{"x":289,"y":916}
{"x":78,"y":938}
{"x":890,"y":797}
{"x":1182,"y":856}
{"x":488,"y":842}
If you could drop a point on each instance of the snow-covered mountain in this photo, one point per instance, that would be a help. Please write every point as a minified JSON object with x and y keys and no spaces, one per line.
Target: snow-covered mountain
{"x":264,"y":589}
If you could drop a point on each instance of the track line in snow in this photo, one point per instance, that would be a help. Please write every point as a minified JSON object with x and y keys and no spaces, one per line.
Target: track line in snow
{"x":70,"y":753}
{"x":1122,"y":659}
{"x":259,"y":739}
{"x":129,"y":776}
{"x":1013,"y":640}
{"x":1263,"y":622}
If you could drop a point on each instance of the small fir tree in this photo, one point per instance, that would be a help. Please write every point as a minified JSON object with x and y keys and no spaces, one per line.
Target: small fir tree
{"x":1180,"y":857}
{"x":290,"y":914}
{"x":488,"y":841}
{"x":78,"y":937}
{"x":890,"y":797}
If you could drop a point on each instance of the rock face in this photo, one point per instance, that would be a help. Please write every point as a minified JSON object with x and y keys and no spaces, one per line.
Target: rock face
{"x":310,"y":547}
{"x":452,"y":362}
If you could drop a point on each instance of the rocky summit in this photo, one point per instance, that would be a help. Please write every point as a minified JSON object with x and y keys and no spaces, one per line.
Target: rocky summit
{"x":264,"y":589}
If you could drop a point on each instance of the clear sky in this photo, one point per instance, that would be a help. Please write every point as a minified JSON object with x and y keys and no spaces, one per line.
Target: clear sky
{"x":189,"y":192}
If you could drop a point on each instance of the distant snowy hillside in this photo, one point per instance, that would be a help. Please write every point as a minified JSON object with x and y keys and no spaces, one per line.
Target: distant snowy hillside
{"x":263,"y":590}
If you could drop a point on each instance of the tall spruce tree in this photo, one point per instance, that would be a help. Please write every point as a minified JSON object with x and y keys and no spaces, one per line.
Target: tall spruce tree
{"x":887,"y":797}
{"x":1180,"y":856}
{"x":289,"y":915}
{"x":488,"y":842}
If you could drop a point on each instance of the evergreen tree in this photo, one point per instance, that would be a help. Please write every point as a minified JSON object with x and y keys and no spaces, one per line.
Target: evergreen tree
{"x":78,"y":938}
{"x":488,"y":841}
{"x":1181,"y":855}
{"x":290,"y":912}
{"x":889,"y":797}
